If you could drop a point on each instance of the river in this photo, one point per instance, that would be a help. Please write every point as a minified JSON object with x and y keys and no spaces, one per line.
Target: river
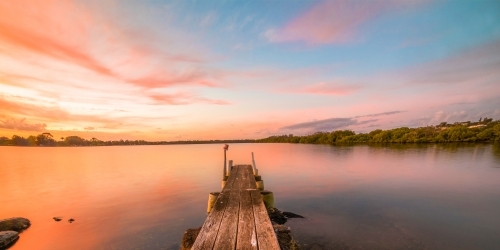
{"x":444,"y":196}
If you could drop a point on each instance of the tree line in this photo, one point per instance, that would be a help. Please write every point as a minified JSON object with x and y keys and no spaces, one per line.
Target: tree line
{"x":47,"y":140}
{"x":485,"y":130}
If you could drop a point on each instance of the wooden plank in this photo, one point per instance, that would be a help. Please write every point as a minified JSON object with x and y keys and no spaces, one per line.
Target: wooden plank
{"x":266,"y":238}
{"x":247,"y":237}
{"x":226,"y":238}
{"x":229,"y":228}
{"x":249,"y":181}
{"x":239,"y":218}
{"x":210,"y":228}
{"x":233,"y":176}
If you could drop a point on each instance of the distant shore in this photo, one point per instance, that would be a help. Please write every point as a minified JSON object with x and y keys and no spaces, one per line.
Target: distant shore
{"x":75,"y":141}
{"x":485,"y":130}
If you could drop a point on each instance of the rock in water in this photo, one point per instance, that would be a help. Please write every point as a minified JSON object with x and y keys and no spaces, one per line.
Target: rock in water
{"x":7,"y":238}
{"x":292,"y":215}
{"x":17,"y":224}
{"x":276,"y":216}
{"x":285,"y":239}
{"x":57,"y":218}
{"x":71,"y":220}
{"x":189,"y":238}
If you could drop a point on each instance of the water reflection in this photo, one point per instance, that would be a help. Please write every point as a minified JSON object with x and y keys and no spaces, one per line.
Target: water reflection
{"x":496,"y":153}
{"x":418,"y":196}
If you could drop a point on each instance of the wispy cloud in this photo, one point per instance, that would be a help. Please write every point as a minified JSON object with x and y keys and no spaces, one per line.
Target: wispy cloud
{"x":333,"y":123}
{"x":325,"y":125}
{"x":67,"y":32}
{"x":479,"y":63}
{"x":381,"y":114}
{"x":22,"y":124}
{"x":332,"y":21}
{"x":184,"y":98}
{"x":323,"y":88}
{"x":11,"y":108}
{"x":208,"y":19}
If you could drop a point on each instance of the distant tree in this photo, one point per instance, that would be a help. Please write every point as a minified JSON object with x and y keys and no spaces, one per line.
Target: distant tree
{"x":19,"y":141}
{"x":74,"y":141}
{"x":32,"y":140}
{"x":45,"y":139}
{"x":4,"y":141}
{"x":487,"y":120}
{"x":94,"y":141}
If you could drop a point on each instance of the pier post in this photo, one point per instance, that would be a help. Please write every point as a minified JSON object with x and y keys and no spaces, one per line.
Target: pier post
{"x":268,"y":198}
{"x":229,"y":167}
{"x":224,"y":174}
{"x":212,"y":197}
{"x":260,"y":185}
{"x":255,"y":170}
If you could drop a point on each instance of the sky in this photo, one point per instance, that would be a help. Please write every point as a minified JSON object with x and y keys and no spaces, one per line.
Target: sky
{"x":232,"y":69}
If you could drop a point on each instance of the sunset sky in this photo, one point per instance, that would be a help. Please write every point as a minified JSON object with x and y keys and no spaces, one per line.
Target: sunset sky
{"x":188,"y":70}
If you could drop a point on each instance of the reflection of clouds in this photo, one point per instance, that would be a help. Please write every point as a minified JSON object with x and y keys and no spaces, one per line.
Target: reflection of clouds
{"x":391,"y":197}
{"x":122,"y":196}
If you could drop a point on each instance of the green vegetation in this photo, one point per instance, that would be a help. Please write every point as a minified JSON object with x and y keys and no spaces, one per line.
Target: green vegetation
{"x":486,"y":130}
{"x":47,"y":140}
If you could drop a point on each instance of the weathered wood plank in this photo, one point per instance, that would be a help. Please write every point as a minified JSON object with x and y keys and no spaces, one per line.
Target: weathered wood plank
{"x":266,"y":238}
{"x":226,"y":238}
{"x":247,"y":237}
{"x":239,"y":218}
{"x":233,"y":177}
{"x":248,"y":180}
{"x":210,"y":228}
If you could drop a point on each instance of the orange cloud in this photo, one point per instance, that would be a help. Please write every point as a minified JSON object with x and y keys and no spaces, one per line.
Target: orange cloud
{"x":49,"y":28}
{"x":46,"y":113}
{"x":194,"y":77}
{"x":184,"y":98}
{"x":70,"y":33}
{"x":21,"y":124}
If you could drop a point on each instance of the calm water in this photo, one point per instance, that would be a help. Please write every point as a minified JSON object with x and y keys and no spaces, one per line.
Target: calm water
{"x":356,"y":197}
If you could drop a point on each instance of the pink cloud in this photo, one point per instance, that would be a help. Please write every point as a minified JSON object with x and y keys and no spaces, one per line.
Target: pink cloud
{"x":323,"y":88}
{"x":184,"y":98}
{"x":332,"y":21}
{"x":478,"y":64}
{"x":49,"y":28}
{"x":71,"y":33}
{"x":192,"y":77}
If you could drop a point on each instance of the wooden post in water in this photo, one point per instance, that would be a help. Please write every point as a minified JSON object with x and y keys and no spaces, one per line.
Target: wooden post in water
{"x":224,"y":171}
{"x":212,"y":197}
{"x":260,"y":185}
{"x":226,"y":147}
{"x":268,"y":198}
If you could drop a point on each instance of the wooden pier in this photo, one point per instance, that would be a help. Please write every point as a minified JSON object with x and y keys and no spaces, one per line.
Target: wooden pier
{"x":238,"y":219}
